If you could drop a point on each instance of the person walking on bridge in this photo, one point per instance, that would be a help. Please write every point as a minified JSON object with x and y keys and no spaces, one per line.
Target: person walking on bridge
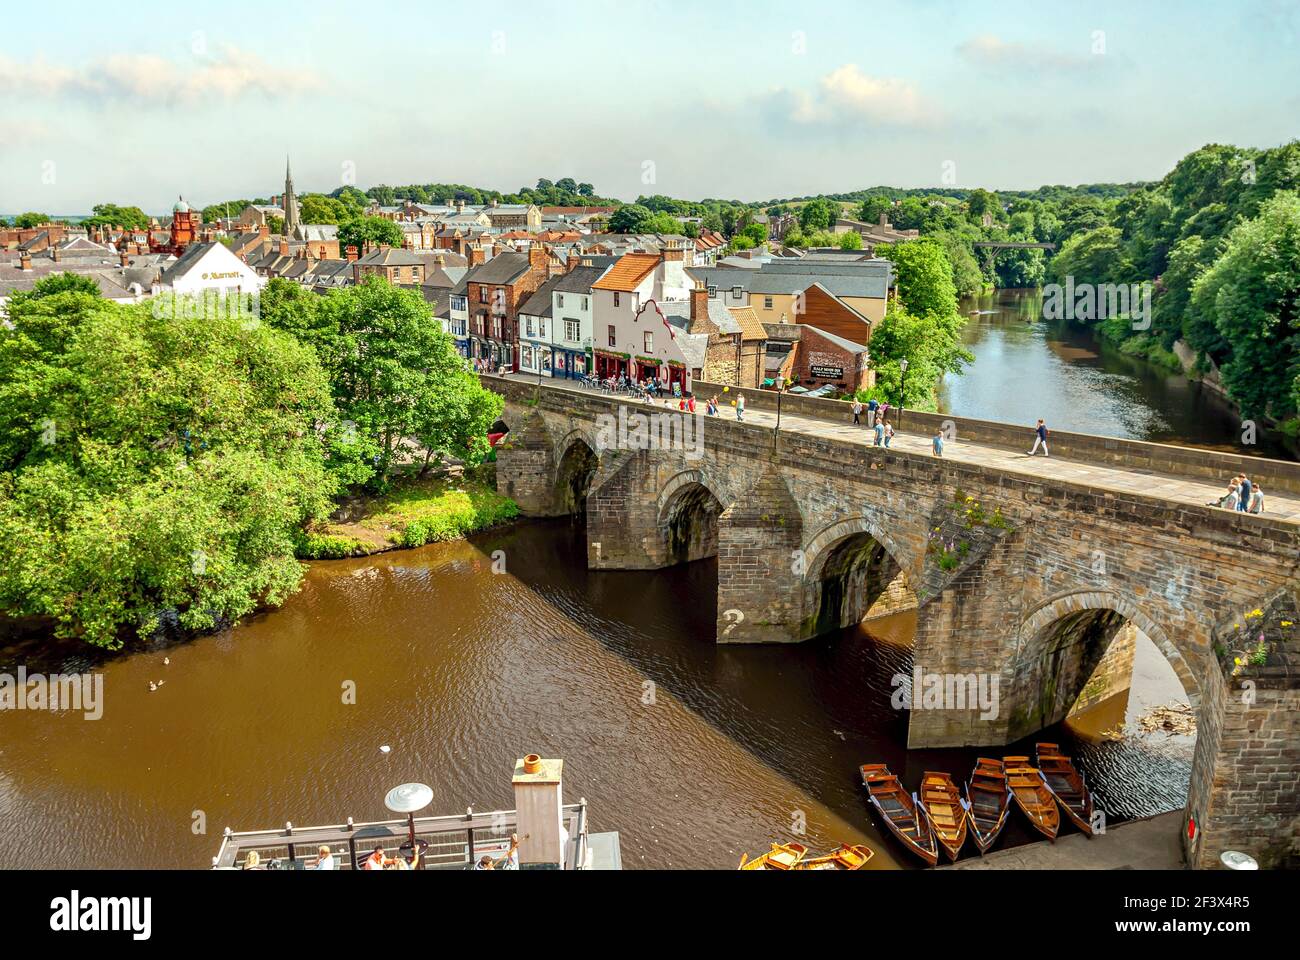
{"x":857,"y":411}
{"x":740,"y":407}
{"x":1040,"y":438}
{"x":1243,"y":503}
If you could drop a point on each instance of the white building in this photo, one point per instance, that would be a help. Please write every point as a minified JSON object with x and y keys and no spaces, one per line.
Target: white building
{"x":210,"y":267}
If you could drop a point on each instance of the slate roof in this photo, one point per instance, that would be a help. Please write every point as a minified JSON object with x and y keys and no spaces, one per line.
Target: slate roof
{"x":539,"y":304}
{"x":502,"y":269}
{"x":580,"y":279}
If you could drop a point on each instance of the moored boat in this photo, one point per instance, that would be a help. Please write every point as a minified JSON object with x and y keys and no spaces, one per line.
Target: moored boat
{"x":782,"y":856}
{"x":1032,"y":796}
{"x":900,"y":811}
{"x":987,"y":802}
{"x":843,"y":857}
{"x":1067,"y":785}
{"x":943,"y":808}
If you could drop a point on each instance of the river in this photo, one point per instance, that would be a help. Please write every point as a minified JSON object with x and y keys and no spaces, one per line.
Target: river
{"x":694,"y":752}
{"x":1026,"y":368}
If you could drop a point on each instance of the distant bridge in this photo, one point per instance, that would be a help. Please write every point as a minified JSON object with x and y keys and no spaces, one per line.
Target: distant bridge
{"x":1010,"y":245}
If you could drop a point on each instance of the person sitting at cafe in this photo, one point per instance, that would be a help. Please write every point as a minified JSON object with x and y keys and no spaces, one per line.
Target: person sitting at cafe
{"x":376,"y":860}
{"x":324,"y":859}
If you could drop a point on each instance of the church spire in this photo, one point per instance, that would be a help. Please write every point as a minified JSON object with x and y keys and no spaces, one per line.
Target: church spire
{"x":290,"y":204}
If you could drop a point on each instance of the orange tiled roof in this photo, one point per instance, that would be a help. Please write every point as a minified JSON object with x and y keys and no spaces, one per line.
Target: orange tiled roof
{"x":628,"y":272}
{"x":751,"y":328}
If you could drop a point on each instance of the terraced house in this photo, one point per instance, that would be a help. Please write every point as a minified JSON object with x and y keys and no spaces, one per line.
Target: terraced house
{"x":495,"y":290}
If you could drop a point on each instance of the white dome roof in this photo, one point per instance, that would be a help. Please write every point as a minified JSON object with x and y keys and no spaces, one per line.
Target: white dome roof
{"x":181,"y":206}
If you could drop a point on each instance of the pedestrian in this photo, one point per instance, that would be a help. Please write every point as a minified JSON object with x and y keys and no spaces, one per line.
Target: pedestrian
{"x":857,"y":411}
{"x":690,"y":403}
{"x":1040,"y":438}
{"x":740,"y":407}
{"x":889,"y":432}
{"x":1256,"y":499}
{"x":1233,"y":499}
{"x":872,"y":406}
{"x":1244,"y":502}
{"x":937,"y":443}
{"x":879,"y":429}
{"x":883,"y":412}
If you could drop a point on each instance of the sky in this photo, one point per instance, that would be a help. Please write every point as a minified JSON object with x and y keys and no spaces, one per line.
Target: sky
{"x":142,"y":103}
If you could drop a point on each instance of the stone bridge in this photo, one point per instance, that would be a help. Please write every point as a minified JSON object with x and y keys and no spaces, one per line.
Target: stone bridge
{"x":1015,"y":574}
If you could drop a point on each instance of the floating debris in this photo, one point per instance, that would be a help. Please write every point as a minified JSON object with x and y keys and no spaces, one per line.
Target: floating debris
{"x":1172,"y":718}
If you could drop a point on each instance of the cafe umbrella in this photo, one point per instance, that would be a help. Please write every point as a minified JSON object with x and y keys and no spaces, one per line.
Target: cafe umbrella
{"x":407,"y":798}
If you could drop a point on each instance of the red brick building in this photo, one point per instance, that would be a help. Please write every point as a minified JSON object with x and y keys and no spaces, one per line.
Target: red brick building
{"x":495,"y":291}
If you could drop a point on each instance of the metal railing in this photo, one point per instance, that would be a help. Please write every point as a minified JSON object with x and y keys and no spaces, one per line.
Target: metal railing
{"x":454,"y":842}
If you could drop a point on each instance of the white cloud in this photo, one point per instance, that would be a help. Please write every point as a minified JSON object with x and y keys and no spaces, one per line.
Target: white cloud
{"x":848,"y":95}
{"x":991,"y":51}
{"x":152,"y":80}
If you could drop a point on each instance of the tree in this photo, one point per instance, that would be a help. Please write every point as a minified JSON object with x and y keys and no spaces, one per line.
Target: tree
{"x":358,"y":231}
{"x":55,"y":284}
{"x":981,"y":202}
{"x":850,"y":240}
{"x":25,"y":221}
{"x":818,"y":214}
{"x":317,"y":208}
{"x":631,"y":218}
{"x":152,"y":466}
{"x":586,"y":190}
{"x":566,"y":185}
{"x":873,"y":208}
{"x":110,"y":214}
{"x":386,"y":356}
{"x":1252,"y":293}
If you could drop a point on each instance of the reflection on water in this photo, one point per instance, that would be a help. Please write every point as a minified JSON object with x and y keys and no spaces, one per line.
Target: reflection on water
{"x":1026,"y":368}
{"x":694,"y":752}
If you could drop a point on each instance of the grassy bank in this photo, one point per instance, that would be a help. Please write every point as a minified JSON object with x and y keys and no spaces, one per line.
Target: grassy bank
{"x":413,"y":513}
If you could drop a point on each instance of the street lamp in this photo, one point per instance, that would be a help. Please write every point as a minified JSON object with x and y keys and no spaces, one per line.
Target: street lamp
{"x":902,"y":390}
{"x":780,"y":391}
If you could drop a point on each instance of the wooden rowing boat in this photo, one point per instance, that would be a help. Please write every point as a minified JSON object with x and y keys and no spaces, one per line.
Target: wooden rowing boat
{"x":782,"y":856}
{"x":900,"y":812}
{"x":944,"y":809}
{"x":1067,"y":785}
{"x":1032,"y":796}
{"x":843,"y":857}
{"x":987,"y":802}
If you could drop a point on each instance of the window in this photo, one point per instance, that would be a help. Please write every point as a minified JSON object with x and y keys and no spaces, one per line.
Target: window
{"x":458,"y":303}
{"x":767,"y":303}
{"x":616,"y":298}
{"x":735,"y":293}
{"x":584,"y":306}
{"x":559,"y":299}
{"x":541,"y":327}
{"x":612,"y":341}
{"x":649,"y":342}
{"x":496,"y":327}
{"x":483,"y":295}
{"x":528,"y":326}
{"x":571,"y":331}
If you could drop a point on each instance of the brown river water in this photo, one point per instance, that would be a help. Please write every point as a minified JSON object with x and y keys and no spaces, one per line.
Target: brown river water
{"x":693,"y":752}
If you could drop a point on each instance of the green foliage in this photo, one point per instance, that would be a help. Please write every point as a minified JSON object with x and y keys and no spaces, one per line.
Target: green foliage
{"x":318,"y":208}
{"x":152,"y":464}
{"x":53,"y":285}
{"x":1252,"y":296}
{"x":110,"y":214}
{"x":449,"y":516}
{"x":851,"y":240}
{"x":360,"y":230}
{"x":820,"y":214}
{"x":25,"y":221}
{"x":394,"y":374}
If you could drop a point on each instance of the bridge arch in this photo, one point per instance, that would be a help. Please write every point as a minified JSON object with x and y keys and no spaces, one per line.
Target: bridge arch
{"x":687,"y":511}
{"x":1061,"y":645}
{"x":576,"y":462}
{"x":853,"y":568}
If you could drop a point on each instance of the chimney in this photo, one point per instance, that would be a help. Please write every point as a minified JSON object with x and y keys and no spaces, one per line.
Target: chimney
{"x":538,"y":788}
{"x":440,"y":260}
{"x":673,"y":251}
{"x":54,"y":254}
{"x":538,"y":258}
{"x":284,"y":248}
{"x":573,"y":263}
{"x":352,"y":252}
{"x":494,"y":203}
{"x":24,"y":261}
{"x":699,"y":302}
{"x":124,"y":259}
{"x":476,"y":256}
{"x":384,"y":247}
{"x":263,"y":232}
